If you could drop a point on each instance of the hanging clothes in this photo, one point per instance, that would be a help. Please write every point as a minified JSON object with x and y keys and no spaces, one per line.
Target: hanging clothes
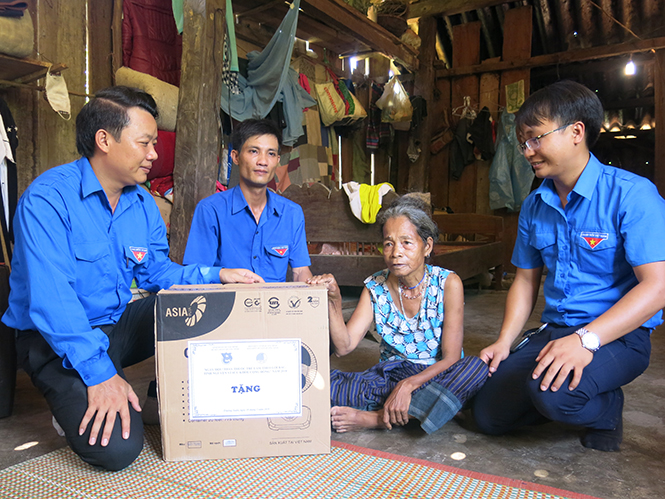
{"x":230,"y":69}
{"x":270,"y":79}
{"x":511,"y":174}
{"x":377,"y":132}
{"x":461,"y":150}
{"x":482,"y":135}
{"x":8,"y":174}
{"x":365,"y":200}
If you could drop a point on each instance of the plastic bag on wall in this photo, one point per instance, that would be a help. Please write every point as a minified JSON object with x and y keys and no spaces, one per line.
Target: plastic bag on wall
{"x":394,"y":103}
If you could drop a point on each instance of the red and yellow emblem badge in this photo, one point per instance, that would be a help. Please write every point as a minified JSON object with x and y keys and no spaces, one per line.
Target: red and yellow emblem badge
{"x":280,"y":250}
{"x":593,"y":239}
{"x":139,"y":253}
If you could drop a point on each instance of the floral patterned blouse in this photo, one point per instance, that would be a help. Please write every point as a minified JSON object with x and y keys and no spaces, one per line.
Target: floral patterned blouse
{"x":417,"y":339}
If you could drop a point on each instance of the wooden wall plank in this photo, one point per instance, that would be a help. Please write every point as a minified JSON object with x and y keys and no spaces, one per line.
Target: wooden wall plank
{"x":659,"y":99}
{"x":518,"y":22}
{"x":439,"y":168}
{"x":424,"y":87}
{"x":466,"y":52}
{"x":58,"y":41}
{"x":100,"y":18}
{"x":489,"y":97}
{"x":199,"y":134}
{"x":116,"y":35}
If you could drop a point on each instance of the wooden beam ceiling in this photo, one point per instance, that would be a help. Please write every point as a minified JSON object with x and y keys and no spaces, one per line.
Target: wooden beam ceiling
{"x":448,"y":7}
{"x":328,"y":23}
{"x":558,"y":58}
{"x":339,"y":15}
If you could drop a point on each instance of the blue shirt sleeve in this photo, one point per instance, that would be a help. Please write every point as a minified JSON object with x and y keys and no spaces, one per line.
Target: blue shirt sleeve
{"x":525,"y":256}
{"x":161,"y":272}
{"x":643,"y":225}
{"x":203,"y":241}
{"x":300,"y":254}
{"x":62,"y":283}
{"x":44,"y":247}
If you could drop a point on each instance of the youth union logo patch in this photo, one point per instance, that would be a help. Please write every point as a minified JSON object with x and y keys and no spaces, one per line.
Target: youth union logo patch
{"x":593,"y":239}
{"x":281,"y":250}
{"x":139,"y":253}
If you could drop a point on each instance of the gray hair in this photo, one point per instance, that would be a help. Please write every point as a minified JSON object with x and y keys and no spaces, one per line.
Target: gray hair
{"x":417,"y":212}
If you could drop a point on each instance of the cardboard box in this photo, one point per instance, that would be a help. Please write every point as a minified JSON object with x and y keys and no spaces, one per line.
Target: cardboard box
{"x":243,"y":370}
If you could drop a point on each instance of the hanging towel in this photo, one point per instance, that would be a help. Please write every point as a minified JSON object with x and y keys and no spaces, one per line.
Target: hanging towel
{"x":270,"y":79}
{"x":365,"y":200}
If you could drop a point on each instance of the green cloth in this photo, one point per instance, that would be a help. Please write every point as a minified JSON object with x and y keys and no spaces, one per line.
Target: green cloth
{"x":178,"y":13}
{"x":231,"y":32}
{"x":361,"y":168}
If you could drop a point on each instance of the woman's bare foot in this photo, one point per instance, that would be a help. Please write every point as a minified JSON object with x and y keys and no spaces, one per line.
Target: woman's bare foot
{"x":348,"y":419}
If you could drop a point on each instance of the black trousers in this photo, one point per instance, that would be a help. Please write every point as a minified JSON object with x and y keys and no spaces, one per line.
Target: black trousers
{"x":511,"y":399}
{"x":131,"y":340}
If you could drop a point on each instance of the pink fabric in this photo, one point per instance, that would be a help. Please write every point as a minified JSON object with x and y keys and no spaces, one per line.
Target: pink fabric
{"x":150,"y":40}
{"x":165,"y":148}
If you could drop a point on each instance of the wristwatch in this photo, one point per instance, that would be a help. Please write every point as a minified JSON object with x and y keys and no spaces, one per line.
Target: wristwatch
{"x":590,"y":340}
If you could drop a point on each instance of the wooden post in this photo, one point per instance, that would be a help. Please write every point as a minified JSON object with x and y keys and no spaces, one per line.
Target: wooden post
{"x":659,"y":101}
{"x":439,"y":168}
{"x":379,"y":68}
{"x":517,"y":46}
{"x":100,"y":17}
{"x":424,"y":87}
{"x":116,"y":35}
{"x":466,"y":52}
{"x":198,"y":125}
{"x":488,"y":97}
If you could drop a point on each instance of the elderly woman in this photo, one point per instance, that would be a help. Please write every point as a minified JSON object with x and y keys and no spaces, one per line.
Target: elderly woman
{"x":421,"y":373}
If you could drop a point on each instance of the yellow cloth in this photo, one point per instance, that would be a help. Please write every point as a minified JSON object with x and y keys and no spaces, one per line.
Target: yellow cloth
{"x":370,"y":200}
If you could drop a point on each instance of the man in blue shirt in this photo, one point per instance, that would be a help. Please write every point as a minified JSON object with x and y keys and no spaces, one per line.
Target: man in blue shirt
{"x":600,"y":231}
{"x":84,"y":231}
{"x":248,"y":226}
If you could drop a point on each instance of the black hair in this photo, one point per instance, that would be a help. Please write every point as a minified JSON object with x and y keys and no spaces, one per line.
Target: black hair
{"x":252,"y":128}
{"x":416,"y":211}
{"x":563,"y":102}
{"x":107,"y":110}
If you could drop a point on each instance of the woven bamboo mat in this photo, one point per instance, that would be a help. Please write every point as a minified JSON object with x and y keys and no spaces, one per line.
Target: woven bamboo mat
{"x":347,"y":472}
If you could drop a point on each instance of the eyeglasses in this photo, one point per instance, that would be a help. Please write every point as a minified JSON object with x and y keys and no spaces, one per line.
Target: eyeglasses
{"x":534,"y":142}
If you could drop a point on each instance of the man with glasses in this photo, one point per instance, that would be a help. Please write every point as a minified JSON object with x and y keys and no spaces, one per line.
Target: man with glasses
{"x":600,"y":231}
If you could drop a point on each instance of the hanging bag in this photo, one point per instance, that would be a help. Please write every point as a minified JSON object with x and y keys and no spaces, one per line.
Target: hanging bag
{"x":331,"y":105}
{"x":394,"y":103}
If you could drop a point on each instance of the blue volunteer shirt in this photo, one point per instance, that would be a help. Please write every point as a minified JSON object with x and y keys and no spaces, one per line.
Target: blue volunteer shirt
{"x":74,"y":262}
{"x":614,"y":221}
{"x":224,"y":232}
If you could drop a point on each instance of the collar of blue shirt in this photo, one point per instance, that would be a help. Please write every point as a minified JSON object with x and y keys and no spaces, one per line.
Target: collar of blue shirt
{"x":585,"y":185}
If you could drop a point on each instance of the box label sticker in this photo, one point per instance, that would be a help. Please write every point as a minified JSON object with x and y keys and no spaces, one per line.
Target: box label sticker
{"x":249,"y":378}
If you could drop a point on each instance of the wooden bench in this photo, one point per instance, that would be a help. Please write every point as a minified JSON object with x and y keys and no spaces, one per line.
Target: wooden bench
{"x":329,"y":221}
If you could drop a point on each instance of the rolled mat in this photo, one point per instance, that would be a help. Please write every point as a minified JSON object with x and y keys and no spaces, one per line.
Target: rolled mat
{"x":17,"y":35}
{"x":165,"y":94}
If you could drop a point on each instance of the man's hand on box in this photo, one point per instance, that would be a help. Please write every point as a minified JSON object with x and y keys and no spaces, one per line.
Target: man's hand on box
{"x":244,"y":276}
{"x":105,"y":401}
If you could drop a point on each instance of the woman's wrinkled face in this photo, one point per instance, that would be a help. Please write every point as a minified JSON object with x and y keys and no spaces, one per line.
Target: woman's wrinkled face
{"x":403,"y":249}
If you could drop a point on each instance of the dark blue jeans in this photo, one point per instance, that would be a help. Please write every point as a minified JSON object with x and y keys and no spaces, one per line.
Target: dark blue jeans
{"x":511,"y":399}
{"x":131,"y":340}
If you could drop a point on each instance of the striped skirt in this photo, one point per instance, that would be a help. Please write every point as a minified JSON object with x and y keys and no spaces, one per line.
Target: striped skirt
{"x":433,"y":404}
